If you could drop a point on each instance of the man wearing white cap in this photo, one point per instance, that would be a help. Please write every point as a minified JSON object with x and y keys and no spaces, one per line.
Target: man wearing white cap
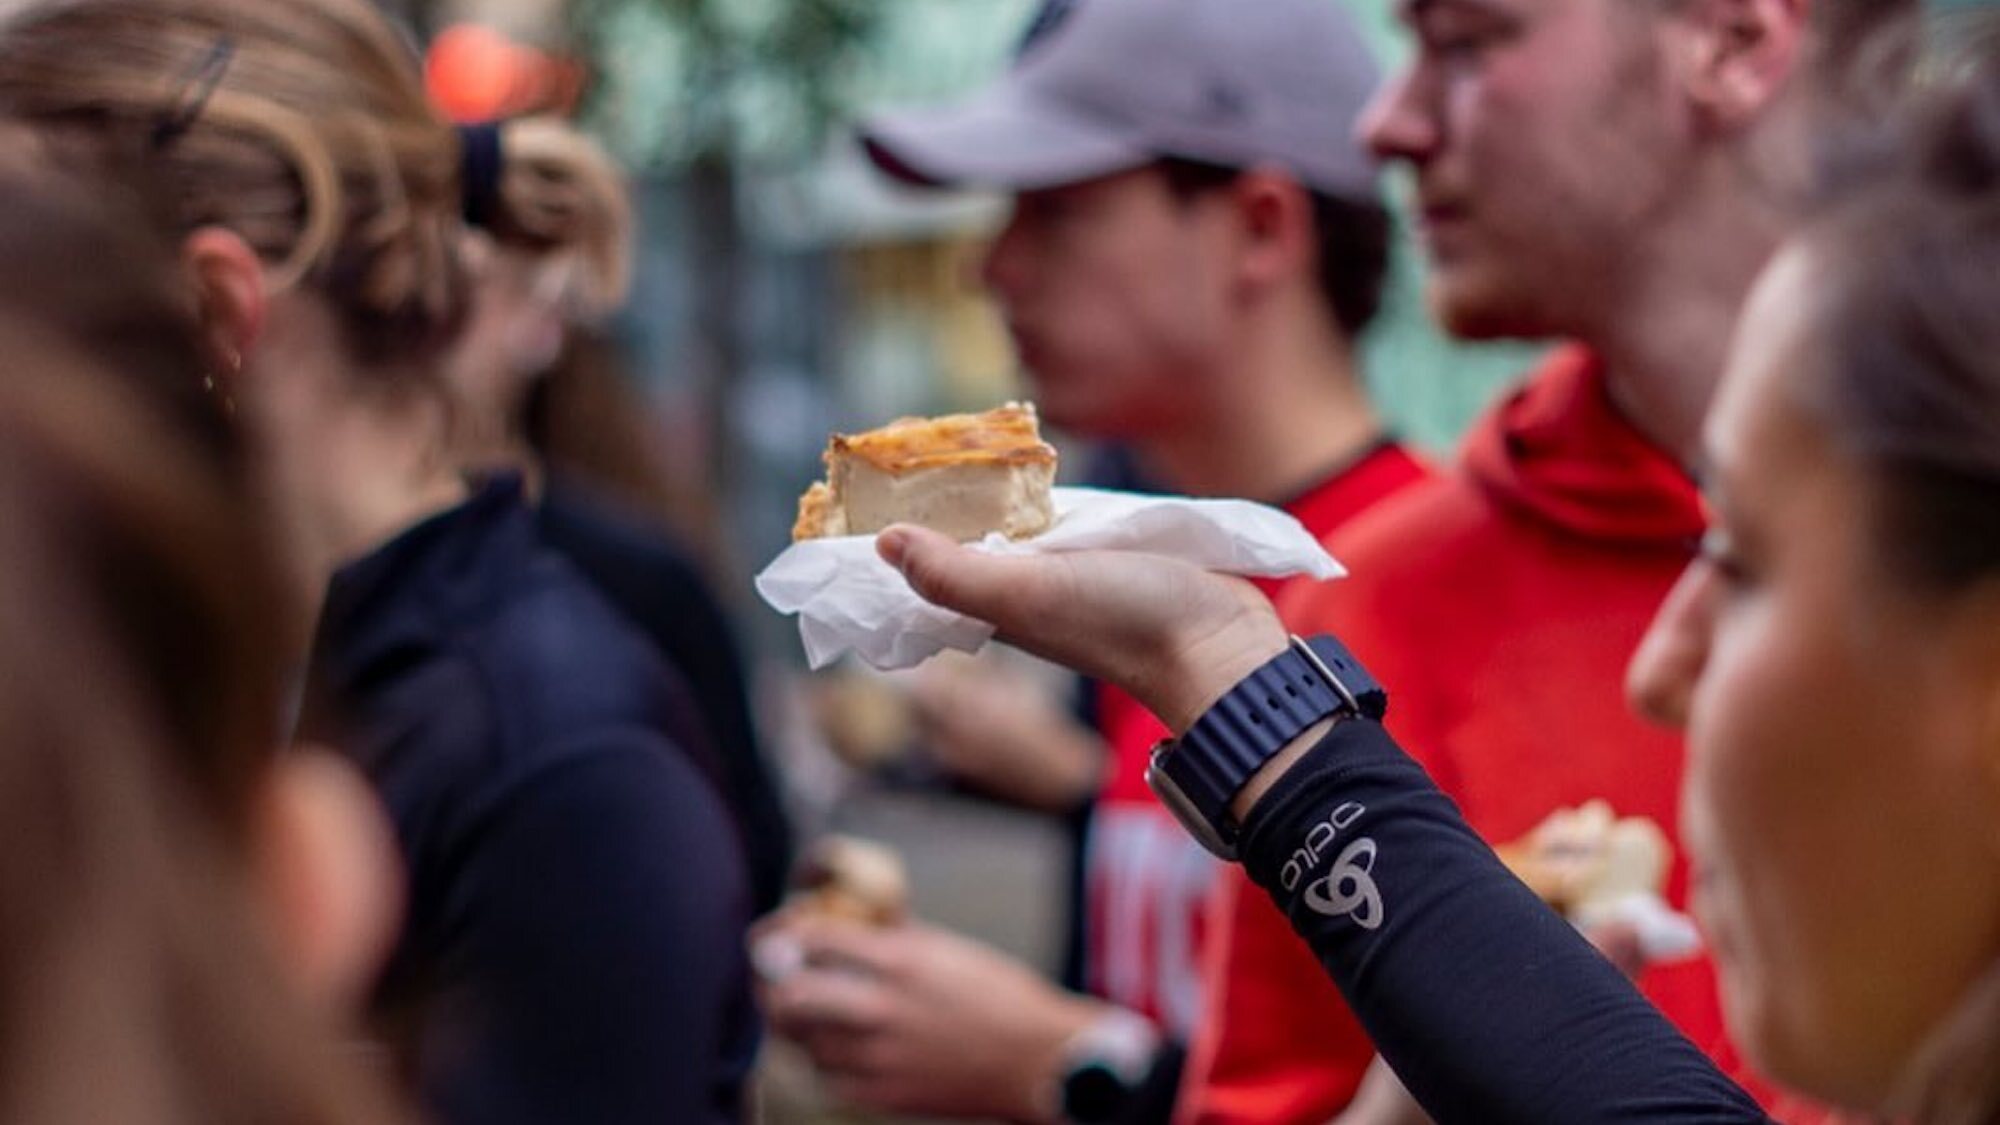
{"x":1197,"y":241}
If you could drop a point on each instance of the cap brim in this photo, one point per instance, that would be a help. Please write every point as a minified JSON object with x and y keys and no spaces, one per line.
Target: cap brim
{"x":1003,"y":139}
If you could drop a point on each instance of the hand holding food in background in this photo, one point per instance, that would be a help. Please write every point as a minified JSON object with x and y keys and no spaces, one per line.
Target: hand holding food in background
{"x":1004,"y":732}
{"x":1605,"y":874}
{"x":853,"y":879}
{"x":902,"y":1017}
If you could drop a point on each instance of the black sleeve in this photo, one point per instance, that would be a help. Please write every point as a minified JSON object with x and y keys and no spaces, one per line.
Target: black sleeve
{"x":594,"y":965}
{"x":1490,"y":1007}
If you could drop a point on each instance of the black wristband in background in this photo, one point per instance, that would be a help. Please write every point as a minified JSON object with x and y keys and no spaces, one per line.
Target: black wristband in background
{"x":1153,"y":1098}
{"x":480,"y":166}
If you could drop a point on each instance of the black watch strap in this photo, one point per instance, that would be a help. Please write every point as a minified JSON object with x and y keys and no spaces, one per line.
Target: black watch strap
{"x":1261,"y":715}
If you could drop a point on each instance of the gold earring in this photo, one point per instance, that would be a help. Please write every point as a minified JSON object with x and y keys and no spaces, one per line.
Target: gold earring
{"x":233,"y":363}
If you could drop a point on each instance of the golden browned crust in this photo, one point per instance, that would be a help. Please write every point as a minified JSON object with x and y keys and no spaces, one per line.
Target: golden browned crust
{"x":962,"y":474}
{"x":815,"y":509}
{"x":1008,"y":435}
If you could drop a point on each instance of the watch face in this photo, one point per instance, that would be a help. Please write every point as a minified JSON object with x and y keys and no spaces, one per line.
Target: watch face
{"x":1093,"y":1094}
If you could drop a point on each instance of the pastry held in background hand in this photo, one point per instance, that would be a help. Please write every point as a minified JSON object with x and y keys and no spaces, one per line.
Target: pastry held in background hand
{"x":854,"y":880}
{"x":1580,"y":858}
{"x":964,"y":475}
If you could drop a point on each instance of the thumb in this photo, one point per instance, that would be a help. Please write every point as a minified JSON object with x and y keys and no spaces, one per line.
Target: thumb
{"x":945,"y":573}
{"x":1621,"y":945}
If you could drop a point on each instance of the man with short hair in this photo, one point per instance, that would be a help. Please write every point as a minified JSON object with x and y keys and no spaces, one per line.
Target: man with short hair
{"x":1195,"y":246}
{"x":1614,"y":173}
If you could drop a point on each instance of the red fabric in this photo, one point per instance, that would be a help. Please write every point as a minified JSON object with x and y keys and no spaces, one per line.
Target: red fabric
{"x":1499,"y":604}
{"x":1147,"y":883}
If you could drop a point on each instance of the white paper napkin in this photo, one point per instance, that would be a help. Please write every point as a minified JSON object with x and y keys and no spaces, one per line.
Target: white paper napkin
{"x":1664,"y":934}
{"x":848,"y":600}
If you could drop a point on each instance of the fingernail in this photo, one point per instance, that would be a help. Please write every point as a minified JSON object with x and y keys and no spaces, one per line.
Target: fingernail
{"x":777,"y":956}
{"x":893,"y":545}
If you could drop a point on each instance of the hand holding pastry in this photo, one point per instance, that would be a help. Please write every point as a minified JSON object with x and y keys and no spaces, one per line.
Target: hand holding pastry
{"x":853,"y":879}
{"x":1172,"y":634}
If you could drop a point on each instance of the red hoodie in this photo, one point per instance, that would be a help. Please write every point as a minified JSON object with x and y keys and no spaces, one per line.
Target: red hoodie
{"x":1499,"y":603}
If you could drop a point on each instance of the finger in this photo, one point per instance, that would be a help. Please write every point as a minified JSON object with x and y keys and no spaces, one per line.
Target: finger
{"x":873,"y":1092}
{"x":1620,"y":944}
{"x":775,"y":954}
{"x":1032,"y":601}
{"x":838,"y":943}
{"x":778,"y":942}
{"x":779,"y":922}
{"x":945,"y":573}
{"x":935,"y":699}
{"x":812,"y":1001}
{"x":847,"y":1053}
{"x":799,"y":937}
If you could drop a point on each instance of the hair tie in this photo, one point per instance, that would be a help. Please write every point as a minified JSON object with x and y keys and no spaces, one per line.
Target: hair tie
{"x":203,"y":79}
{"x":479,"y":170}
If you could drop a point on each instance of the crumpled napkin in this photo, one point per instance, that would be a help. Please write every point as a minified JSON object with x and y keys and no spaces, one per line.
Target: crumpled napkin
{"x":1664,"y":934}
{"x":849,"y":601}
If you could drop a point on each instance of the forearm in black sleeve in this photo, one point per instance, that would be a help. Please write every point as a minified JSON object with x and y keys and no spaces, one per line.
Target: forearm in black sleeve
{"x":1490,"y":1007}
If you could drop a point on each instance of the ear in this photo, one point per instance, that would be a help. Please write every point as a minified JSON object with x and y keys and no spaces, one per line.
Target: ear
{"x":330,"y":876}
{"x":1737,"y":56}
{"x":1275,"y":224}
{"x":229,"y":283}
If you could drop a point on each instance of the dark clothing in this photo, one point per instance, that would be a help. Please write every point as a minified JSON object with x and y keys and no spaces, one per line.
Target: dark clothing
{"x":573,"y":949}
{"x":1490,"y":1007}
{"x":662,"y":592}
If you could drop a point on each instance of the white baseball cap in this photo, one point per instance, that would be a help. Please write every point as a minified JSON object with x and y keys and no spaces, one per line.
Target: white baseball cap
{"x":1102,"y":86}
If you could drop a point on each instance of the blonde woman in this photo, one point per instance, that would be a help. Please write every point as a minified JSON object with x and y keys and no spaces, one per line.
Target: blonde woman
{"x":558,"y":262}
{"x":572,"y":948}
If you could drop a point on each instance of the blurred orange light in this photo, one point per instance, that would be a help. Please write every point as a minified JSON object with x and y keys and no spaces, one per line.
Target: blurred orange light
{"x":474,"y":73}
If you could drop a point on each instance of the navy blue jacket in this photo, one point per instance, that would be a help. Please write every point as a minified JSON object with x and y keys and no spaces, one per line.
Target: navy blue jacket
{"x":574,"y":945}
{"x":662,"y":593}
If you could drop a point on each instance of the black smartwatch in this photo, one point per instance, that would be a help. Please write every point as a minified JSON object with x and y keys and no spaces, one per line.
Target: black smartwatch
{"x":1199,"y":774}
{"x":1104,"y":1067}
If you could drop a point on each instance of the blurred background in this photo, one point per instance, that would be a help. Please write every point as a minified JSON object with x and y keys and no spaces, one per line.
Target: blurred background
{"x":785,"y":290}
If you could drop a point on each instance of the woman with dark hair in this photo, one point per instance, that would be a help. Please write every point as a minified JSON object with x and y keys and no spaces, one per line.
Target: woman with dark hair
{"x":573,"y":946}
{"x":1834,"y":657}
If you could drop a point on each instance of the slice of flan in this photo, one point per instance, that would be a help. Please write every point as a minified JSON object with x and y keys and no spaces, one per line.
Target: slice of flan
{"x":964,"y":475}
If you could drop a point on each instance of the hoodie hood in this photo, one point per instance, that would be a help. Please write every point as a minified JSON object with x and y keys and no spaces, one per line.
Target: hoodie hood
{"x":1557,"y":451}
